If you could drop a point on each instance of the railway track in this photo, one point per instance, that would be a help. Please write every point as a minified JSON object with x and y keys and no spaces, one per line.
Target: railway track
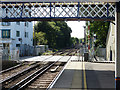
{"x":67,"y":52}
{"x":33,"y":74}
{"x":15,"y":78}
{"x":42,"y":76}
{"x":42,"y":82}
{"x":13,"y":70}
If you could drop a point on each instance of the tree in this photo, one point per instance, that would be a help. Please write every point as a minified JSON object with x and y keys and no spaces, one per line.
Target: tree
{"x":99,"y":28}
{"x":74,"y":41}
{"x":40,"y":38}
{"x":57,"y":33}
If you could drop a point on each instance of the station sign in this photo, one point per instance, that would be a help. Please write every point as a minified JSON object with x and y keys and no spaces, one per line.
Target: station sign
{"x":60,"y":0}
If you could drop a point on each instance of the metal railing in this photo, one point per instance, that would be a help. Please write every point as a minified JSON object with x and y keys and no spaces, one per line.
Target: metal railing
{"x":32,"y":11}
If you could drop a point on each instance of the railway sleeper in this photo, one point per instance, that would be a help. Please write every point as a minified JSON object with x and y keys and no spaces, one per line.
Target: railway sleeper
{"x":13,"y":77}
{"x":23,"y":83}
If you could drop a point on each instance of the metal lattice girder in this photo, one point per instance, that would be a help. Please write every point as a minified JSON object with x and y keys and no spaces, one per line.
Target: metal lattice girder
{"x":56,"y":11}
{"x":60,"y":0}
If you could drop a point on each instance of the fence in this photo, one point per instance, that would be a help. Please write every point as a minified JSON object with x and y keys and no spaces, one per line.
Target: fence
{"x":6,"y":55}
{"x":1,"y":52}
{"x":14,"y":55}
{"x":101,"y":52}
{"x":97,"y":51}
{"x":26,"y":50}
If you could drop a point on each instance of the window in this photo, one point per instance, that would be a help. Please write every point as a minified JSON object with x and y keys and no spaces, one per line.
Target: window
{"x":17,"y":45}
{"x":26,"y":24}
{"x":17,"y":33}
{"x":5,"y":33}
{"x":26,"y":34}
{"x":5,"y":23}
{"x":18,"y":23}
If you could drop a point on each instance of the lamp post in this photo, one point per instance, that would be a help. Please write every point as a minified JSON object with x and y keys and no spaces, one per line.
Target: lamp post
{"x":85,"y":36}
{"x":94,"y":39}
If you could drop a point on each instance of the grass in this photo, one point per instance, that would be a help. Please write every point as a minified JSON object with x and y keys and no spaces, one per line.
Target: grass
{"x":48,"y":52}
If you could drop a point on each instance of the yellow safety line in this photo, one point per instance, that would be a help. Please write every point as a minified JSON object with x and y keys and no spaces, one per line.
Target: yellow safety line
{"x":85,"y":83}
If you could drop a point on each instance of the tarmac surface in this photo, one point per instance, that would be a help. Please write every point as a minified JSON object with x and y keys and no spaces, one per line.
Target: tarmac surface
{"x":86,"y":76}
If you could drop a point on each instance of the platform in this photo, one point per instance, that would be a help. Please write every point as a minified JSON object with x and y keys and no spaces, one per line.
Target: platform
{"x":71,"y":78}
{"x":86,"y":76}
{"x":51,"y":58}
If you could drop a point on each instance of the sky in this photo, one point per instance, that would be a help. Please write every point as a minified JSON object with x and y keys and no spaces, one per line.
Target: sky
{"x":77,"y":28}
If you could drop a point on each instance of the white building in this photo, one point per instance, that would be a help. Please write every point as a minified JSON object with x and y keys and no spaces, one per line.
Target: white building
{"x":16,"y":35}
{"x":110,"y":43}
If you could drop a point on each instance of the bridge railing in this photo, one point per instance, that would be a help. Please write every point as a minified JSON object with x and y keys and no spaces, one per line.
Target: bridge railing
{"x":59,"y":11}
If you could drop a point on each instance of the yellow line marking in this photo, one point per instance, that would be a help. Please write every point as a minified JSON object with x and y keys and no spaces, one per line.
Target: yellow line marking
{"x":85,"y":83}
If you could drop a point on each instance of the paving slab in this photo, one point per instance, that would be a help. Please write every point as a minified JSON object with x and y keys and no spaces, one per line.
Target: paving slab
{"x":36,"y":58}
{"x":77,"y":58}
{"x":74,"y":58}
{"x":54,"y":58}
{"x":65,"y":59}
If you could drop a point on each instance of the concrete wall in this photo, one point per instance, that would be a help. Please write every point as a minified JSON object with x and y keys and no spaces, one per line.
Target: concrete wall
{"x":41,"y":49}
{"x":110,"y":43}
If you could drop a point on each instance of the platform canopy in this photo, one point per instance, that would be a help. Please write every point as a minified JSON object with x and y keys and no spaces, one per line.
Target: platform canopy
{"x":60,"y":0}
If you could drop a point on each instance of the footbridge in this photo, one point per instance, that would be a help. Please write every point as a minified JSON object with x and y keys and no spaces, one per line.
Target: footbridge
{"x":38,"y":10}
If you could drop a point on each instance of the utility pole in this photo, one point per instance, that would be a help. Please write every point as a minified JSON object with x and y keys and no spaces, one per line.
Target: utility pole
{"x":85,"y":36}
{"x":89,"y":36}
{"x":94,"y":39}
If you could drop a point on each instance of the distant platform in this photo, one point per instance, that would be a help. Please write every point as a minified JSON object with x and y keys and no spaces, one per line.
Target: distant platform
{"x":51,"y":58}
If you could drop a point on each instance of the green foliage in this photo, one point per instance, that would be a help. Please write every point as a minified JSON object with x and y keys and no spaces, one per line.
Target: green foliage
{"x":100,"y":28}
{"x":48,"y":53}
{"x":40,"y":38}
{"x":74,"y":41}
{"x":40,"y":54}
{"x":55,"y":34}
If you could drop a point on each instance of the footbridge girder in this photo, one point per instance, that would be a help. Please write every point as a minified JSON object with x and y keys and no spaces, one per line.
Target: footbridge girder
{"x":38,"y":11}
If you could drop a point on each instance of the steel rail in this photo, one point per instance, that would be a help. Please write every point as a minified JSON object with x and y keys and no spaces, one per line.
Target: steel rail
{"x":23,"y":83}
{"x":69,"y":52}
{"x":14,"y":67}
{"x":11,"y":68}
{"x":17,"y":74}
{"x":32,"y":77}
{"x":57,"y":77}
